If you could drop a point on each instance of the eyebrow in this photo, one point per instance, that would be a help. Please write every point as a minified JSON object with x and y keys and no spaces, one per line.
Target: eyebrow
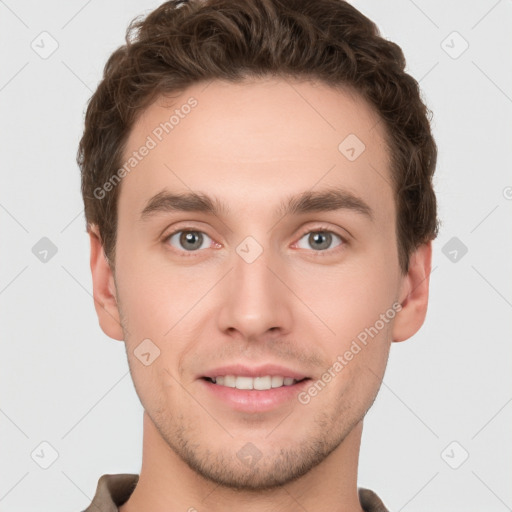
{"x":330,"y":199}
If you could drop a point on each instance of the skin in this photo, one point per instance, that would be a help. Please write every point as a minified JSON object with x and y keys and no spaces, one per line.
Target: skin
{"x":252,"y":145}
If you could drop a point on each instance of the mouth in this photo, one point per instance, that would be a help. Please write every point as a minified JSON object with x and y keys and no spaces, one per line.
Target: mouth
{"x":253,"y":388}
{"x":261,"y":383}
{"x":260,"y":394}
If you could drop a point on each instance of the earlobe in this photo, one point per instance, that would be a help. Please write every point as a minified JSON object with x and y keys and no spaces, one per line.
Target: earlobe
{"x":414,"y":294}
{"x":104,"y":290}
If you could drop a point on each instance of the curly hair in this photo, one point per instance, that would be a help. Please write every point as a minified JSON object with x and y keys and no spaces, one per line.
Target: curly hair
{"x":184,"y":42}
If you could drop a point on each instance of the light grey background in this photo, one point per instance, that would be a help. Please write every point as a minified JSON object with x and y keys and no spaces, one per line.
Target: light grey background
{"x":65,"y":383}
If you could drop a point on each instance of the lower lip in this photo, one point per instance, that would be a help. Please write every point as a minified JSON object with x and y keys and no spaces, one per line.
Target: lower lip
{"x":252,"y":400}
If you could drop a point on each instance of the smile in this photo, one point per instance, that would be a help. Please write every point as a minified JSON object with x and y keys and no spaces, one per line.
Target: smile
{"x":259,"y":383}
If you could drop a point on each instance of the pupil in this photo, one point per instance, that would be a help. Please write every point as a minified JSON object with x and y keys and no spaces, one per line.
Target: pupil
{"x":317,"y":237}
{"x":188,"y":238}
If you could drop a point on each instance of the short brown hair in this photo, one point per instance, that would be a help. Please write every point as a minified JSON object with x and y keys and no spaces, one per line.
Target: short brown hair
{"x":184,"y":42}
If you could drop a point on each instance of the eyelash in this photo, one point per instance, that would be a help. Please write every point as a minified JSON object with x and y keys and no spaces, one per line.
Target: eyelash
{"x":321,"y":229}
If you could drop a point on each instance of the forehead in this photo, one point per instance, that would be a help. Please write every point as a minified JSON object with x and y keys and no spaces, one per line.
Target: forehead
{"x":256,"y":140}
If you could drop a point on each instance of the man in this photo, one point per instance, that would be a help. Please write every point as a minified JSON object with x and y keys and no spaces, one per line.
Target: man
{"x":257,"y":179}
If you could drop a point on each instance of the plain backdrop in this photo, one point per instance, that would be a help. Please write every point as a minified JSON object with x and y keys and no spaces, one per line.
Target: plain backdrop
{"x":439,"y":434}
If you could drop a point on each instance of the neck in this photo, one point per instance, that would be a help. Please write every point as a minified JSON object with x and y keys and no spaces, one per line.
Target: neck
{"x":167,"y":483}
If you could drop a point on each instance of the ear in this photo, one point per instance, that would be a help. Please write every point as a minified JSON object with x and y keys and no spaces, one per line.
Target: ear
{"x":104,"y":290}
{"x":414,"y":294}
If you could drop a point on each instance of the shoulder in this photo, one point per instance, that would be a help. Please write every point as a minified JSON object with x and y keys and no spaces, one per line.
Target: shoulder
{"x":370,"y":501}
{"x":112,"y":491}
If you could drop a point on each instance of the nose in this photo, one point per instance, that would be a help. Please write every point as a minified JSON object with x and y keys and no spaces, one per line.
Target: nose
{"x":256,"y":301}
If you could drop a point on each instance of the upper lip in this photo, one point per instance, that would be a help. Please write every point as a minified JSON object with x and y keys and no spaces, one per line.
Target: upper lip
{"x":254,"y":371}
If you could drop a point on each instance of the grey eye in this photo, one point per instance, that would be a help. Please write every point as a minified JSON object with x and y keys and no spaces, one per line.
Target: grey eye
{"x":319,"y":240}
{"x":190,"y":240}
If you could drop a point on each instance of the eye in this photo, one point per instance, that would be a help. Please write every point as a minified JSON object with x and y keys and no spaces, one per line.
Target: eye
{"x":320,"y":240}
{"x":189,"y":240}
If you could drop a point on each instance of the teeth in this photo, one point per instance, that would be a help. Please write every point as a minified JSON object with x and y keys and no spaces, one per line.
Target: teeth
{"x":259,"y":383}
{"x":242,"y":382}
{"x":277,"y":381}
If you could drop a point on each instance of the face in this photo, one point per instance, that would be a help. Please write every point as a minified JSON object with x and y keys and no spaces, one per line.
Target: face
{"x":269,"y":280}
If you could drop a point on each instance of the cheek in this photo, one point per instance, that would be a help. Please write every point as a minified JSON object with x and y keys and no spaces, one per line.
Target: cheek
{"x":162,"y":309}
{"x":350,"y":301}
{"x":156,"y":295}
{"x":348,"y":298}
